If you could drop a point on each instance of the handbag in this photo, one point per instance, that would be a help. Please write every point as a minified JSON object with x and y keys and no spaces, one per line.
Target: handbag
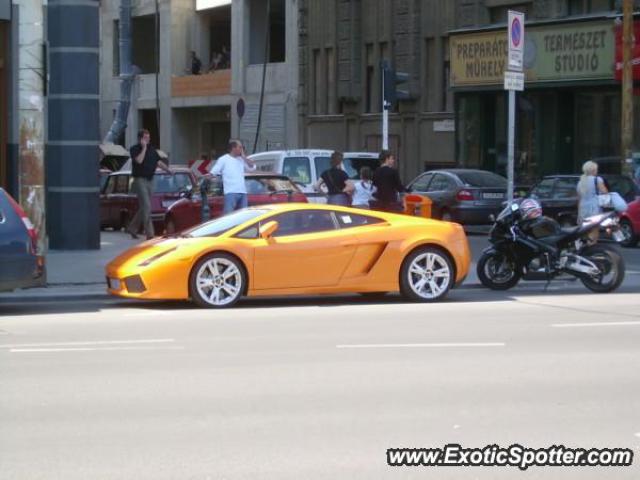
{"x":604,"y":199}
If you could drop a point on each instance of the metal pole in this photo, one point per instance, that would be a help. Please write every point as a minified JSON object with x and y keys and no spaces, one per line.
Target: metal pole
{"x":385,"y":116}
{"x":627,"y":87}
{"x":511,"y":145}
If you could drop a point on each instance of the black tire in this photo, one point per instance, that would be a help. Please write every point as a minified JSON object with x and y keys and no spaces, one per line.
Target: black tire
{"x":438,"y":273}
{"x":611,"y":265}
{"x":237,"y":283}
{"x":630,"y":237}
{"x":488,"y":274}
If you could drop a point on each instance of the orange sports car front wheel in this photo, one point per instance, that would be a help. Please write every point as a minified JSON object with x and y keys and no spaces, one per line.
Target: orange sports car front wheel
{"x":218,"y":280}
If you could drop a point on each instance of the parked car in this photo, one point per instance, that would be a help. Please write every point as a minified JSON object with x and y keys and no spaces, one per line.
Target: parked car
{"x":462,"y":195}
{"x":118,"y":203}
{"x":630,"y":224}
{"x":296,"y":249}
{"x":262,"y":188}
{"x":305,"y":166}
{"x":559,"y":199}
{"x":20,"y":264}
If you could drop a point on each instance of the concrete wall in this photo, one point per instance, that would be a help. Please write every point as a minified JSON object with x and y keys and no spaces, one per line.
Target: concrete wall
{"x":279,"y":119}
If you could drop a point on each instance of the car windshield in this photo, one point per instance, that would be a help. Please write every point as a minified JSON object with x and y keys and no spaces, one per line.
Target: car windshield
{"x":165,"y":183}
{"x":482,"y":179}
{"x":266,"y":185}
{"x":222,"y":224}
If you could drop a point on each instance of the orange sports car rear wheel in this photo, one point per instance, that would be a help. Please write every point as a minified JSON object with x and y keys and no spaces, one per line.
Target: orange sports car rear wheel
{"x":426,"y":275}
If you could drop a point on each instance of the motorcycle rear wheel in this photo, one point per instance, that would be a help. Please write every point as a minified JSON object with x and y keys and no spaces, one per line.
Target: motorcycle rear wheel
{"x":611,"y":265}
{"x":497,"y":271}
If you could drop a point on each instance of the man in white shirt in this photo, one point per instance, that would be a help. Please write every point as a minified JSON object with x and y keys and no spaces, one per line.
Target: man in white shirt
{"x":232,"y":167}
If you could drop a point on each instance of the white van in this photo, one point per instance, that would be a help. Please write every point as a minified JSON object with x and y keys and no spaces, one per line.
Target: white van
{"x":305,"y":166}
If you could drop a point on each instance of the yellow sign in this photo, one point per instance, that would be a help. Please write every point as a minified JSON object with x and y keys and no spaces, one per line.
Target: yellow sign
{"x":566,"y":52}
{"x":479,"y":58}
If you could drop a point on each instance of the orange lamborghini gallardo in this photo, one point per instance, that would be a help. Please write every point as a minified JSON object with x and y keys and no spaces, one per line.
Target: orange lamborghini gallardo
{"x":296,"y":249}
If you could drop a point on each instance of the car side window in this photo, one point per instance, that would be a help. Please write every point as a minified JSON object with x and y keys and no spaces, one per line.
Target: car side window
{"x":441,"y":183}
{"x":421,"y":183}
{"x":111,"y":185}
{"x":297,"y":169}
{"x":255,"y":187}
{"x":248,"y":233}
{"x":322,"y":164}
{"x":122,"y":184}
{"x":215,"y":187}
{"x":565,"y":188}
{"x":304,"y":221}
{"x":350,"y":220}
{"x":544,"y":189}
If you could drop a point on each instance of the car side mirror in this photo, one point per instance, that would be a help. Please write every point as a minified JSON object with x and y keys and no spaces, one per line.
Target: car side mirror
{"x":268,"y":229}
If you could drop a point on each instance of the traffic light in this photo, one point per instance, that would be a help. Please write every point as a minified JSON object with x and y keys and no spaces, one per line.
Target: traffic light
{"x":395,"y":85}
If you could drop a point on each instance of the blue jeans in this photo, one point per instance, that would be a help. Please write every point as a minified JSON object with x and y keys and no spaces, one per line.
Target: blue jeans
{"x":235,"y":201}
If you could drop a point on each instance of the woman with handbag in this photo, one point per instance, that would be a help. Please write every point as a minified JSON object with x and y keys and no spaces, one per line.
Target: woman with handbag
{"x":589,"y":188}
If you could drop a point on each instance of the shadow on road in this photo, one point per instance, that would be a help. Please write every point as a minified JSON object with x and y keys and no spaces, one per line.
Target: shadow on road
{"x":462,"y":295}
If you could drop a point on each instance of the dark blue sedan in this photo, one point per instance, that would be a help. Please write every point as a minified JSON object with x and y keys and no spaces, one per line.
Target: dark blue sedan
{"x":20,"y":264}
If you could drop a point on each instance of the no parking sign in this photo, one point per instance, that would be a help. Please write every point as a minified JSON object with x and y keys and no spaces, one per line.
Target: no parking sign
{"x":516,"y":40}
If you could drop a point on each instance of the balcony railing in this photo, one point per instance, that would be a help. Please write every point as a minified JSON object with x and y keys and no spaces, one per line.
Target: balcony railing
{"x":206,"y":85}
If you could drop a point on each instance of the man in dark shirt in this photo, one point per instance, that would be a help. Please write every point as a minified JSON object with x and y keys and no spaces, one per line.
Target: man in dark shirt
{"x":144,"y":161}
{"x":388,"y":184}
{"x":196,"y":64}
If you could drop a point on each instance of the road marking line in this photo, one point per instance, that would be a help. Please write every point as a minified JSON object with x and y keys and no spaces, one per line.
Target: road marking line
{"x":89,"y":349}
{"x":594,"y":324}
{"x":422,"y":345}
{"x":98,"y":342}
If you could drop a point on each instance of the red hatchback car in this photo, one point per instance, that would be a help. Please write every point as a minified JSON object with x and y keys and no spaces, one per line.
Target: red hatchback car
{"x":262,"y":188}
{"x":118,"y":204}
{"x":630,"y":224}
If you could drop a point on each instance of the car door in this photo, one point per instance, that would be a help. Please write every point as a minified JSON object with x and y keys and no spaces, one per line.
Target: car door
{"x":563,"y":204}
{"x":215,"y":198}
{"x":307,"y":250}
{"x":421,"y":184}
{"x":106,"y":202}
{"x":441,"y":191}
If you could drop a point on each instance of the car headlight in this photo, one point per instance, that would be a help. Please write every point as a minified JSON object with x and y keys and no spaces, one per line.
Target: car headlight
{"x":150,"y":260}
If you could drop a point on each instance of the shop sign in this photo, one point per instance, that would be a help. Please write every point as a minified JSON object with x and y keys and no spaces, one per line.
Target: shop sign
{"x":635,"y":51}
{"x":578,"y":51}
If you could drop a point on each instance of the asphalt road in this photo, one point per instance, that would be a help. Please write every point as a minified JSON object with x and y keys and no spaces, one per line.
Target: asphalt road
{"x":316,"y":388}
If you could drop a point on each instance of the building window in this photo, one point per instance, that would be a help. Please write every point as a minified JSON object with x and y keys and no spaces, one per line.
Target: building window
{"x":275,"y":23}
{"x":116,"y":48}
{"x":144,"y":43}
{"x":447,"y":94}
{"x":501,"y":14}
{"x":581,"y":7}
{"x":370,"y":80}
{"x":317,"y":83}
{"x":331,"y":81}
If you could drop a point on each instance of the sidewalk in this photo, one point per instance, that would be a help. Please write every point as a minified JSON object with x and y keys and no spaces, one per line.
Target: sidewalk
{"x":79,"y":274}
{"x":76,"y":273}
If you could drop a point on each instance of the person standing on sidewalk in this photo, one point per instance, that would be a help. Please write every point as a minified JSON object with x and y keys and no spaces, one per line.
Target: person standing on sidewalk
{"x":388,"y":184}
{"x":232,"y":166}
{"x":144,"y":161}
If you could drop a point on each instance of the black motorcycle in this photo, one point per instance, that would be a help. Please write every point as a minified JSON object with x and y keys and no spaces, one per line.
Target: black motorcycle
{"x":527,"y":245}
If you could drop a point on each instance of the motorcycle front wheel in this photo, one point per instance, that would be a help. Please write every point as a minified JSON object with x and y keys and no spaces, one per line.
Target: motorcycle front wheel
{"x":611,"y":266}
{"x":497,"y":271}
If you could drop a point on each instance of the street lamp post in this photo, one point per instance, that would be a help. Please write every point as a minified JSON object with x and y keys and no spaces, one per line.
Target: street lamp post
{"x":627,"y":87}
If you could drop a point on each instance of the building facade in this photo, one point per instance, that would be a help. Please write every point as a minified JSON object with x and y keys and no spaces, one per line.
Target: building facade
{"x":342,"y":43}
{"x":570,"y":110}
{"x":192,"y":114}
